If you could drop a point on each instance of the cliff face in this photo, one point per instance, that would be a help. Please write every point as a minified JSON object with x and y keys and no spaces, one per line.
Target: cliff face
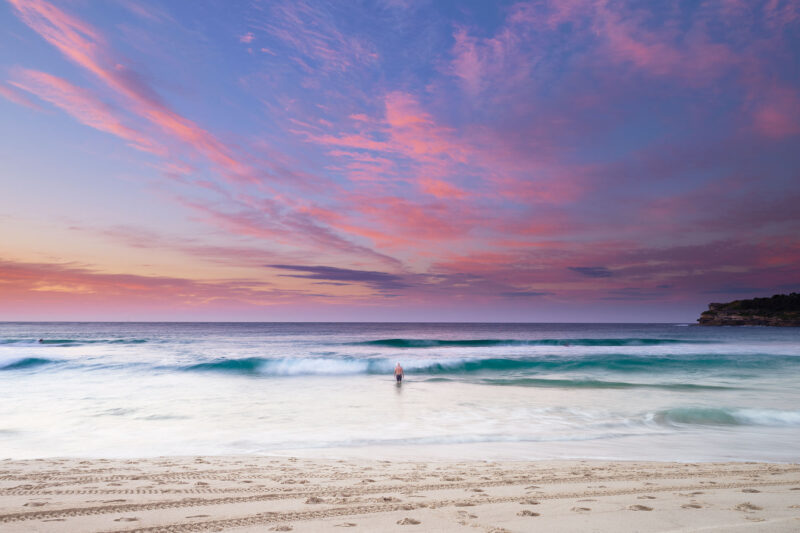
{"x":780,"y":310}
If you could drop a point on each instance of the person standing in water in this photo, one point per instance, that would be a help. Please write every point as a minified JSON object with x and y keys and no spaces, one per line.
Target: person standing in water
{"x":398,"y":372}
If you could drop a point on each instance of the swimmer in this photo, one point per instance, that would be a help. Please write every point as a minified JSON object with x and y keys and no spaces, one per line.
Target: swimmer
{"x":398,"y":372}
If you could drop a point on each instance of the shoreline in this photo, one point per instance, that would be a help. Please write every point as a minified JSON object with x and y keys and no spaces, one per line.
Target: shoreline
{"x":274,"y":493}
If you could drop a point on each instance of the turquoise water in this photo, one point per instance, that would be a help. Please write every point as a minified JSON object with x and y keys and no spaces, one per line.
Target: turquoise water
{"x":499,"y":391}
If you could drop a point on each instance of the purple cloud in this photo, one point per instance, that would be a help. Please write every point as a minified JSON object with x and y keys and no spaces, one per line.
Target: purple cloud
{"x":592,"y":271}
{"x":378,"y":280}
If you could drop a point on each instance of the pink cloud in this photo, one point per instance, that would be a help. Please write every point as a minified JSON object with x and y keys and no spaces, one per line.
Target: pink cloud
{"x":313,"y":32}
{"x":83,"y":105}
{"x":13,"y":95}
{"x":407,"y":145}
{"x":468,"y":63}
{"x":247,"y":37}
{"x":415,"y":133}
{"x":86,"y":47}
{"x":406,"y":130}
{"x":146,"y":11}
{"x":778,"y":113}
{"x":80,"y":285}
{"x":267,"y":219}
{"x":279,"y":218}
{"x":496,"y":61}
{"x":499,"y":172}
{"x":781,"y":13}
{"x":441,"y":189}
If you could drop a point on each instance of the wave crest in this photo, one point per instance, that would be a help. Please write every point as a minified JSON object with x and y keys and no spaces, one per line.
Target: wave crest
{"x":27,"y":362}
{"x":486,"y":343}
{"x":475,"y":366}
{"x":713,"y":416}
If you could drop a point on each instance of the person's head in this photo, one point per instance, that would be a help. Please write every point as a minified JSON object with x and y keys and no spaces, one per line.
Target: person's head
{"x":398,"y":363}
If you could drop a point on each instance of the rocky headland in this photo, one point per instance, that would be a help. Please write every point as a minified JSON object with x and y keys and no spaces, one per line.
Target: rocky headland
{"x":779,"y":310}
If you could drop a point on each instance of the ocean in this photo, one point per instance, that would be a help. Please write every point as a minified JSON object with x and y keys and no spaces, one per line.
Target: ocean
{"x":667,"y":392}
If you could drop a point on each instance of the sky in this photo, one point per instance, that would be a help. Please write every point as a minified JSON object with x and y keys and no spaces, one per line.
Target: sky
{"x":397,"y":160}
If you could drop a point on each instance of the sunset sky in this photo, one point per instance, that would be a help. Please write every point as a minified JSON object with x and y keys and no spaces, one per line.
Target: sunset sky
{"x":572,"y":160}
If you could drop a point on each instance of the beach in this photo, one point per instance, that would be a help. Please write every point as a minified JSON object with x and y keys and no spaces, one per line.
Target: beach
{"x":413,"y":266}
{"x":496,"y":427}
{"x":251,"y":493}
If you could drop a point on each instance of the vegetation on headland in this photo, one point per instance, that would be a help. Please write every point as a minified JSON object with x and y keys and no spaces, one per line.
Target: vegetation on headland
{"x":779,"y":310}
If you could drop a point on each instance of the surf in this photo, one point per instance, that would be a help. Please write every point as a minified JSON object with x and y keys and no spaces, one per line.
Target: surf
{"x":488,"y":343}
{"x":473,"y":366}
{"x":719,"y":416}
{"x":26,"y":363}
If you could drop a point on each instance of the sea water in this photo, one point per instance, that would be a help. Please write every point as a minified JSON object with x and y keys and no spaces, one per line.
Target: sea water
{"x":471,"y":391}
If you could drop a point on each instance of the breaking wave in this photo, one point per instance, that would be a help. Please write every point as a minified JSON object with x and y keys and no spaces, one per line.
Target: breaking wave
{"x":69,"y":342}
{"x":459,"y":366}
{"x":24,"y":363}
{"x":479,"y":343}
{"x":711,"y":416}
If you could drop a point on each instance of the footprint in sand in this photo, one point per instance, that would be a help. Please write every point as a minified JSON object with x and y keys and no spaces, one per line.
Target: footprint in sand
{"x":314,"y":499}
{"x":526,"y":512}
{"x":198,"y":516}
{"x":346,"y":524}
{"x":581,"y":509}
{"x":529,"y":502}
{"x":646,"y":497}
{"x":691,"y":506}
{"x":747,"y":507}
{"x":126,"y":519}
{"x":34,"y":504}
{"x":408,"y":522}
{"x":283,"y":527}
{"x":751,"y":491}
{"x":640,"y":508}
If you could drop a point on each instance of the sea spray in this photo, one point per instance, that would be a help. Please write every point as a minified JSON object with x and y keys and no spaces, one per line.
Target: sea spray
{"x":487,"y":391}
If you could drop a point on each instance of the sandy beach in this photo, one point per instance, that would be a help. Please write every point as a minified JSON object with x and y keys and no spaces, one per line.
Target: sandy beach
{"x":301,"y":494}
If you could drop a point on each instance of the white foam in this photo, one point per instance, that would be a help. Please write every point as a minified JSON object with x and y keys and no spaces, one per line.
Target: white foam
{"x":767,"y":417}
{"x":305,"y":367}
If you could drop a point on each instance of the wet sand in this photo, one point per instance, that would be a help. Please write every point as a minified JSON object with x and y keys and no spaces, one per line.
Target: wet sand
{"x":297,"y":494}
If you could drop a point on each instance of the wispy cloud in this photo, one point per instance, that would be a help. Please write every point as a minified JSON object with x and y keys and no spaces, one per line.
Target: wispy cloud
{"x":84,"y":106}
{"x":382,"y":281}
{"x":516,"y":153}
{"x":311,"y":30}
{"x":13,"y":95}
{"x":592,"y":271}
